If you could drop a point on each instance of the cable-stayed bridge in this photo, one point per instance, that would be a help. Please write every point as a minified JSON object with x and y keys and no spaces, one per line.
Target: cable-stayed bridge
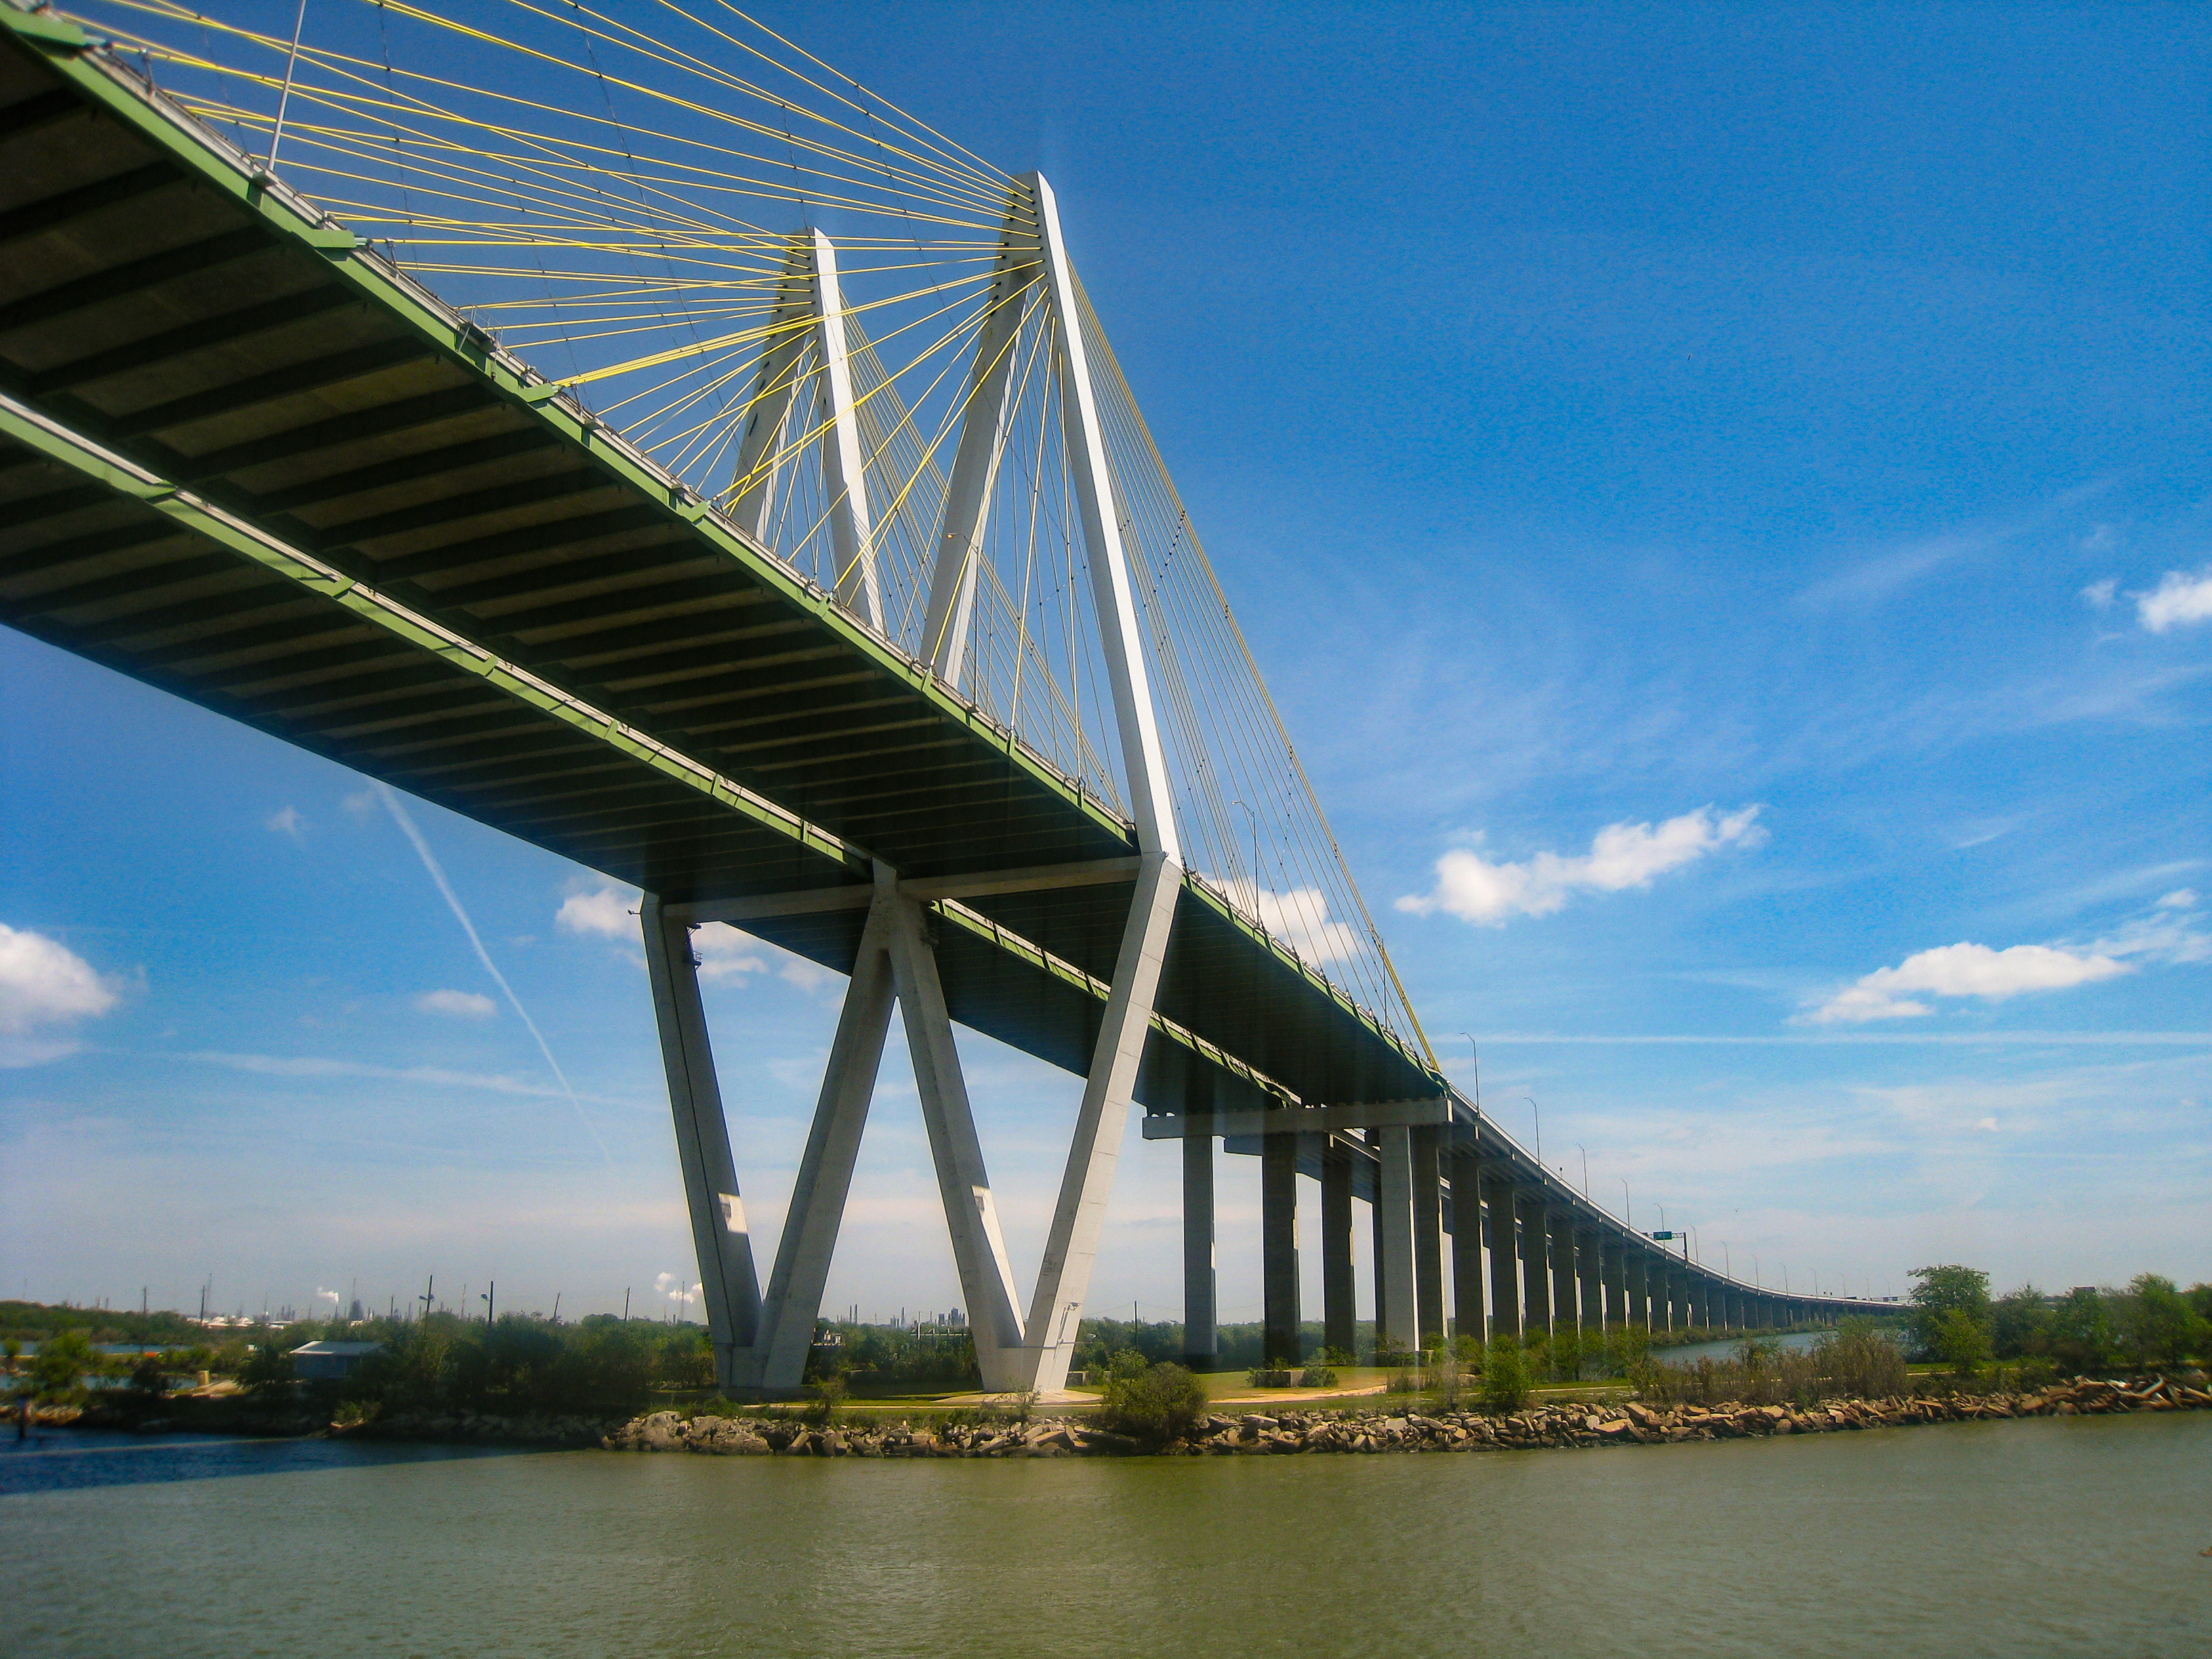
{"x":628,"y":432}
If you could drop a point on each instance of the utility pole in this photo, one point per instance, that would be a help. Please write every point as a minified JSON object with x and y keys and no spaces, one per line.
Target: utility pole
{"x":625,"y":1305}
{"x":427,"y":1289}
{"x":491,"y":1308}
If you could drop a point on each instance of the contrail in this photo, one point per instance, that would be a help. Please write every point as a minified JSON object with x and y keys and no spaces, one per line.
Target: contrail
{"x":430,"y":862}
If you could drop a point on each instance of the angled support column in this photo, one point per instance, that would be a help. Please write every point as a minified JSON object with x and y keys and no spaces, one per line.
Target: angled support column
{"x":1589,"y":1264}
{"x":1278,"y":1249}
{"x":1338,"y":1311}
{"x":793,"y":1302}
{"x":1397,"y":1315}
{"x":982,"y":445}
{"x":1202,"y":1325}
{"x":1427,"y":1142}
{"x":1094,"y":1150}
{"x":728,"y":1284}
{"x":979,"y":1249}
{"x":1504,"y":1258}
{"x":1468,"y":1281}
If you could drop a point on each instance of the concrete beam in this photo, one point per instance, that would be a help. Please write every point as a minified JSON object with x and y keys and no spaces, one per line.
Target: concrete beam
{"x":806,"y":901}
{"x":1300,"y":1119}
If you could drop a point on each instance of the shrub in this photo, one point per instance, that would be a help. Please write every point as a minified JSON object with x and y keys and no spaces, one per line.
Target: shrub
{"x":59,"y":1367}
{"x":1505,"y":1377}
{"x":1164,"y":1404}
{"x":1317,"y":1377}
{"x":1861,"y":1362}
{"x":1961,"y":1341}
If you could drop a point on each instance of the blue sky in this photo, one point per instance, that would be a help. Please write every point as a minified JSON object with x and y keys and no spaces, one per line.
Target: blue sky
{"x":1781,"y":428}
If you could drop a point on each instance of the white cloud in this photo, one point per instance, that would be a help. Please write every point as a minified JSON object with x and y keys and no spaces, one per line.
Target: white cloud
{"x":607,"y":911}
{"x":468,"y":1005}
{"x":681,"y":1292}
{"x":725,"y":953}
{"x":286,"y":823}
{"x":2178,"y":597}
{"x":2168,"y":932}
{"x":45,"y":988}
{"x":1962,"y":970}
{"x":2097,"y":596}
{"x":1621,"y":856}
{"x":1300,"y":918}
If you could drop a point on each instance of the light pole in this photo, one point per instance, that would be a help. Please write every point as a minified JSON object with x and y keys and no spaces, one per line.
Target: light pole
{"x":1580,"y":1148}
{"x":1627,"y":1205}
{"x":1537,"y":1113}
{"x":1252,"y":819}
{"x":1476,"y":1053}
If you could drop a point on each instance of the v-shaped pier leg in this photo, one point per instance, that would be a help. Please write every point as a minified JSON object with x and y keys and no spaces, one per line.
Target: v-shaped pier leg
{"x":979,"y":1250}
{"x":1095,"y":1152}
{"x":825,"y":1170}
{"x":727,"y":1282}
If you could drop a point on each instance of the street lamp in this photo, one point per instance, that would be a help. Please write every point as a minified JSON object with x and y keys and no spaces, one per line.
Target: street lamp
{"x":1627,"y":1205}
{"x":1539,"y":1117}
{"x":1252,"y":819}
{"x":1476,"y":1053}
{"x":1580,"y":1148}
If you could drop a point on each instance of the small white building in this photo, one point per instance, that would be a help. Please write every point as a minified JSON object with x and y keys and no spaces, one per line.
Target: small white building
{"x":330,"y":1362}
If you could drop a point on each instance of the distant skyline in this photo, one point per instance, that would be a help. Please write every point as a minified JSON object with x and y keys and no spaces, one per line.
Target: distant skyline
{"x":1723,"y":498}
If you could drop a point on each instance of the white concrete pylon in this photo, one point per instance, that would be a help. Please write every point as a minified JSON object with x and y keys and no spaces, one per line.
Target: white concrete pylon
{"x":761,"y":461}
{"x":844,"y":478}
{"x":728,"y":1284}
{"x":982,"y":444}
{"x":810,"y":312}
{"x":1143,"y":759}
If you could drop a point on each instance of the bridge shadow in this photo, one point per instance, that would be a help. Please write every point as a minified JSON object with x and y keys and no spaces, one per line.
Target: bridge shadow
{"x":70,"y":1460}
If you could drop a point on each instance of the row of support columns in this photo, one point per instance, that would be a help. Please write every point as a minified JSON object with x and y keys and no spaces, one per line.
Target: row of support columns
{"x":1521,"y":1265}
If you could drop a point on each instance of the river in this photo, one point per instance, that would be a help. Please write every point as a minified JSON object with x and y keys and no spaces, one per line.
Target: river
{"x":2062,"y":1536}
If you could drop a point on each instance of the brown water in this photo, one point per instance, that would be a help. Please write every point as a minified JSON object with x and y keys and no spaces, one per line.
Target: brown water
{"x":2067,"y":1536}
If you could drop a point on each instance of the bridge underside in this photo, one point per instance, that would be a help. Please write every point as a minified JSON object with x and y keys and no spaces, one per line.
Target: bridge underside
{"x":246,"y":460}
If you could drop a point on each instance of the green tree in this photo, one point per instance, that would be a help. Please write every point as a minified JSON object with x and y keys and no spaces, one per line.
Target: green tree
{"x":2081,"y":1331}
{"x":58,"y":1372}
{"x":1505,"y":1377}
{"x":2157,"y":1323}
{"x":2019,"y":1324}
{"x":1938,"y":1292}
{"x":1961,"y":1341}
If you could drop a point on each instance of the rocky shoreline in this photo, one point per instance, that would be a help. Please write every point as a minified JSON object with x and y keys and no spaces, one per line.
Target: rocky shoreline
{"x":1567,"y":1423}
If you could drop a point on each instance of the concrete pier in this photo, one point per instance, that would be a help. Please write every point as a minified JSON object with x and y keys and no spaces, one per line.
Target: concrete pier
{"x":1278,"y":1247}
{"x":1469,"y":1286}
{"x":1201,"y":1336}
{"x":1503,"y":1239}
{"x":1339,"y":1311}
{"x":1425,"y":1147}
